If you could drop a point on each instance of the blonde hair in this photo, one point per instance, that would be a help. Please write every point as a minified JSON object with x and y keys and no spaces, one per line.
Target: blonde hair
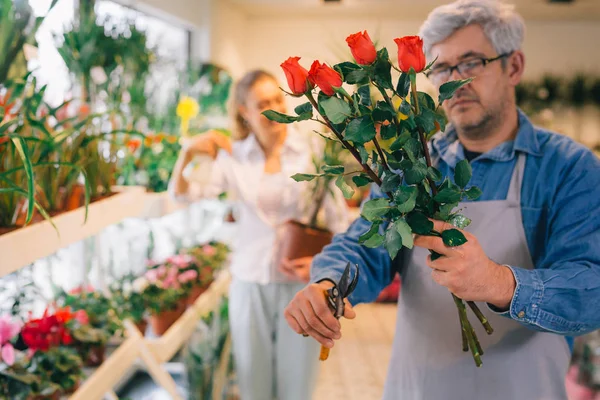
{"x":241,"y":129}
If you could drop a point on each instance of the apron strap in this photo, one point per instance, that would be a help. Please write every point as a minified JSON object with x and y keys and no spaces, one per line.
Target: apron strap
{"x":516,"y":181}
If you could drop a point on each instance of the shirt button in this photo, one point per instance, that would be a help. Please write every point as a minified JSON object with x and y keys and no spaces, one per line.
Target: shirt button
{"x":521,"y":314}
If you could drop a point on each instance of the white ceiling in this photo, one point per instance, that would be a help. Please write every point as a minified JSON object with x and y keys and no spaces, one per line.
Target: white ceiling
{"x":410,"y":9}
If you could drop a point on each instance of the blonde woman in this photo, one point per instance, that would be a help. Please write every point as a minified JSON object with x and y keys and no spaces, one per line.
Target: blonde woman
{"x":272,"y":361}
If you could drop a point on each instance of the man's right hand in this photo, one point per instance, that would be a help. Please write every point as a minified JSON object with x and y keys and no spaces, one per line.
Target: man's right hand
{"x":207,"y":143}
{"x":309,"y":314}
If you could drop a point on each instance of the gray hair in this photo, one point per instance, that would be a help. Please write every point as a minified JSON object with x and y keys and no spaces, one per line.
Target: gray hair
{"x":502,"y":25}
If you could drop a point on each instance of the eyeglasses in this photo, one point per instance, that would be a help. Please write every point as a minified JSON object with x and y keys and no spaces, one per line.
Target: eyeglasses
{"x":466,"y":69}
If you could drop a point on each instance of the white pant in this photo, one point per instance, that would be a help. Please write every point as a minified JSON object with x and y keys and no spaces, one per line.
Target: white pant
{"x":272,"y":361}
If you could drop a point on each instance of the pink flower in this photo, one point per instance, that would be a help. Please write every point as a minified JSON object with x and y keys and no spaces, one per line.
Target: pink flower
{"x":171,"y":282}
{"x":152,"y":275}
{"x":209,"y":250}
{"x":7,"y":355}
{"x":81,"y":317}
{"x":188,"y":276}
{"x":8,"y":330}
{"x":161,"y":271}
{"x":181,"y":260}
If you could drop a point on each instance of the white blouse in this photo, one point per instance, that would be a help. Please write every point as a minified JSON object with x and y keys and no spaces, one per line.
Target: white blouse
{"x":264,"y":201}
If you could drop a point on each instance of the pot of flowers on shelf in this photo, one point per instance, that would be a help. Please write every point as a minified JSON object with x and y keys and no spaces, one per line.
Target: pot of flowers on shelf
{"x":51,"y":359}
{"x":129,"y":302}
{"x":91,"y":337}
{"x":165,"y":294}
{"x":209,"y":259}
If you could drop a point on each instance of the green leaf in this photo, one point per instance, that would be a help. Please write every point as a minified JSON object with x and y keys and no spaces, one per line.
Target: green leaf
{"x":346,"y":67}
{"x":426,"y":119}
{"x":419,"y":223}
{"x":23,"y":151}
{"x":361,"y":180}
{"x":448,"y":196}
{"x":403,"y":85}
{"x":344,"y":187}
{"x":333,"y":169}
{"x":393,"y":241}
{"x":474,"y":193}
{"x":357,"y":77}
{"x":426,"y":100}
{"x":406,"y":198}
{"x":434,"y":174}
{"x":445,"y":210}
{"x":462,"y":173}
{"x":279,"y":117}
{"x":383,"y":67}
{"x":373,"y":230}
{"x":365,"y":95}
{"x":364,"y":155}
{"x":448,"y":89}
{"x":374,"y":241}
{"x":416,"y":174}
{"x":391,"y":182}
{"x":361,"y":130}
{"x":453,"y":237}
{"x":460,"y":221}
{"x":380,"y":115}
{"x":405,"y":233}
{"x":405,"y":107}
{"x":399,"y":143}
{"x":387,"y":132}
{"x":335,"y":109}
{"x":304,"y":177}
{"x":304,"y":108}
{"x":375,"y":208}
{"x":412,"y":147}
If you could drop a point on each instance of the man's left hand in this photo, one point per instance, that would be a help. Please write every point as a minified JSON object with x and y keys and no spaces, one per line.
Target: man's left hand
{"x":467,"y":271}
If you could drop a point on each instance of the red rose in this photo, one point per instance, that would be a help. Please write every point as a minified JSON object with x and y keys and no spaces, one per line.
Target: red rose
{"x":410,"y":53}
{"x":362,"y":48}
{"x":324,"y":77}
{"x":297,"y":75}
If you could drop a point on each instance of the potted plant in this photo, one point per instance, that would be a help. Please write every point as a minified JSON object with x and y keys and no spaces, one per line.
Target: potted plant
{"x":415,"y":191}
{"x":165,"y":294}
{"x":129,"y":302}
{"x":209,"y":258}
{"x":16,"y":382}
{"x":91,"y":336}
{"x":60,"y":365}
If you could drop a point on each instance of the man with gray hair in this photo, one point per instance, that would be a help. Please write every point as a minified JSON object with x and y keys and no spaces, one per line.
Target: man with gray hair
{"x":532,"y":259}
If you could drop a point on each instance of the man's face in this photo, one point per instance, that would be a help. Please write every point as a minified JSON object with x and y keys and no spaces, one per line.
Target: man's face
{"x":480,"y":104}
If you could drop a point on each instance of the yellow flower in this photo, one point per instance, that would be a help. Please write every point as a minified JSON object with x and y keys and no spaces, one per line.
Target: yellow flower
{"x":187,"y":108}
{"x":172,"y":139}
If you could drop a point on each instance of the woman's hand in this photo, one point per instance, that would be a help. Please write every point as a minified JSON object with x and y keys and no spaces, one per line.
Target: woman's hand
{"x":297,"y":269}
{"x":207,"y":143}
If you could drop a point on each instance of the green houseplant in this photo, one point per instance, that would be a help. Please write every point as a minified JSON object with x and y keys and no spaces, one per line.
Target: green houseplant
{"x":415,"y":191}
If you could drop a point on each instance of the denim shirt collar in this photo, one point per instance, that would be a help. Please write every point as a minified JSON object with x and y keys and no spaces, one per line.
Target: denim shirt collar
{"x":447,"y":146}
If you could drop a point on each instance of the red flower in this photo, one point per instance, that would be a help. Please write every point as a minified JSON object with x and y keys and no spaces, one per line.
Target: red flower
{"x":410,"y":53}
{"x":296,"y":75}
{"x":362,"y":48}
{"x":134,"y":144}
{"x":325,"y":77}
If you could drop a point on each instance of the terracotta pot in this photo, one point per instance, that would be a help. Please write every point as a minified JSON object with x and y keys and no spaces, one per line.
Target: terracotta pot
{"x":21,"y":214}
{"x":54,"y":396}
{"x":163,"y":321}
{"x":76,"y":198}
{"x":73,"y":389}
{"x":6,"y":229}
{"x":92,"y":356}
{"x":142,"y":326}
{"x":296,"y":240}
{"x":194,"y":294}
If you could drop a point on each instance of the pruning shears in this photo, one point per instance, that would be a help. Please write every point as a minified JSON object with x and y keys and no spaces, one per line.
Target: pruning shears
{"x":335,"y":297}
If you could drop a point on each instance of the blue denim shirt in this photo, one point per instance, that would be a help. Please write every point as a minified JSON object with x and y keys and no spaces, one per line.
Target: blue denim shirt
{"x":560,"y":202}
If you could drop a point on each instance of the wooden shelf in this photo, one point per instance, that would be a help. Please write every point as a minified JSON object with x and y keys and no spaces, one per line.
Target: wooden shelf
{"x":156,"y":205}
{"x":152,"y":352}
{"x":26,"y":245}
